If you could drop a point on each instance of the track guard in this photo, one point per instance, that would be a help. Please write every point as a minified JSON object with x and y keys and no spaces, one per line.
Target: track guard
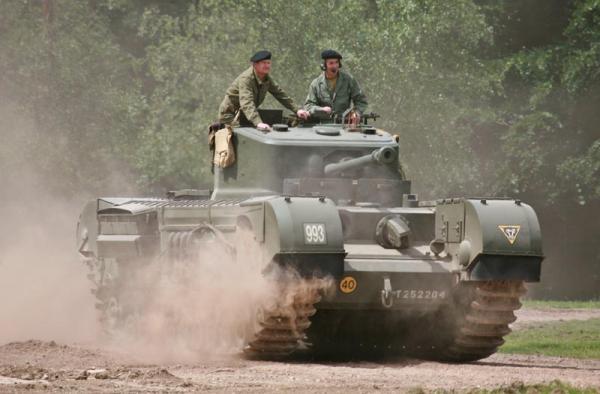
{"x":491,"y":239}
{"x":305,"y":233}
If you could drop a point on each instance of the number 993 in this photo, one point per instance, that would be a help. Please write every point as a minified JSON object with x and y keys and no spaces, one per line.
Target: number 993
{"x":314,"y":233}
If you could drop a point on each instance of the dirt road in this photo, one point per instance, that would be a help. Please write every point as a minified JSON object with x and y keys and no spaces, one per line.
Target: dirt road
{"x":49,"y":366}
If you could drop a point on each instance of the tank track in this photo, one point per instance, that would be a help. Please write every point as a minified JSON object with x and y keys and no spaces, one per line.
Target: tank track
{"x":484,"y":317}
{"x":283,"y":327}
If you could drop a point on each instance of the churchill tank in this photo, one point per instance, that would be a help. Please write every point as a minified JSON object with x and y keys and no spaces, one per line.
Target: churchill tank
{"x":376,"y":270}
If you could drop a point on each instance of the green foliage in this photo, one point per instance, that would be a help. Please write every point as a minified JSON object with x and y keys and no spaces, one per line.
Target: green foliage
{"x":67,"y":75}
{"x":577,"y":339}
{"x":584,"y":172}
{"x":527,"y":156}
{"x":552,"y":118}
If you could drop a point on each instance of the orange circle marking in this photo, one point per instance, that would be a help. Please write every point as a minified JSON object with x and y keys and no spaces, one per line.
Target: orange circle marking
{"x":348,"y":285}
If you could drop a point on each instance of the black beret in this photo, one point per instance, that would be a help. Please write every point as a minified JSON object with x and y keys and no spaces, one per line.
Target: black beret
{"x":260,"y":55}
{"x":330,"y":54}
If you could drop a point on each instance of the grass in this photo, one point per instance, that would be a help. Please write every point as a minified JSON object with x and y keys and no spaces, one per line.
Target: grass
{"x":554,"y":387}
{"x":562,"y":304}
{"x":575,"y":338}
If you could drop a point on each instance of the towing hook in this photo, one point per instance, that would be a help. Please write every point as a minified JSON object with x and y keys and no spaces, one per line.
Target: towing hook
{"x":386,"y":294}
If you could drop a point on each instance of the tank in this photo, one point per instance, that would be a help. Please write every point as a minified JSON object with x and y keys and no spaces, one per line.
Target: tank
{"x":387,"y":274}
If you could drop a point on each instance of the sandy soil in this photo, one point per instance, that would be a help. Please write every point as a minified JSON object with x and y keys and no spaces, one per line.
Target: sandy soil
{"x":50,"y":366}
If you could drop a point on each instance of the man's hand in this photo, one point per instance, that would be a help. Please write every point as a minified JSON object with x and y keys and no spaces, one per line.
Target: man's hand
{"x":263,"y":126}
{"x":302,"y":114}
{"x":327,"y":110}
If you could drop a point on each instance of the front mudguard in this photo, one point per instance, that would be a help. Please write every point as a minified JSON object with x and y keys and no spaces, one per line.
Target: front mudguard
{"x":305,"y":233}
{"x":490,"y":239}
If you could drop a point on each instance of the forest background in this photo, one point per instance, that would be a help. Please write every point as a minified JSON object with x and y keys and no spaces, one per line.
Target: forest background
{"x":490,"y":98}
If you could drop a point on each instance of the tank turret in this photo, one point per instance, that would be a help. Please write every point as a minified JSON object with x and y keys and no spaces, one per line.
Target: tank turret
{"x":269,"y":162}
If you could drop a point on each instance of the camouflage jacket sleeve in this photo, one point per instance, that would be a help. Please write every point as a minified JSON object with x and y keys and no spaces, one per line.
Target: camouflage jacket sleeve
{"x":282,"y":96}
{"x":312,"y":99}
{"x":247,"y":105}
{"x":358,"y":97}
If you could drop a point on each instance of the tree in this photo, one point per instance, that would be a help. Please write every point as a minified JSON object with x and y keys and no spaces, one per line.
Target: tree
{"x":67,"y":74}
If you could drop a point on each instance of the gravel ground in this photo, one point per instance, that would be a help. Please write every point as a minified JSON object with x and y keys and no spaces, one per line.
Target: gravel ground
{"x":49,"y":366}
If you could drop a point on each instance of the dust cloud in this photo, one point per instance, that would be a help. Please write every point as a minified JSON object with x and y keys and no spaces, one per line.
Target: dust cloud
{"x":208,"y":305}
{"x":183,"y":310}
{"x":43,"y":287}
{"x":174,"y":311}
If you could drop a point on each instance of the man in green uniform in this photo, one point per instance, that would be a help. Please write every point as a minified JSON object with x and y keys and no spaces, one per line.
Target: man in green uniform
{"x":249,"y":90}
{"x":334,"y":91}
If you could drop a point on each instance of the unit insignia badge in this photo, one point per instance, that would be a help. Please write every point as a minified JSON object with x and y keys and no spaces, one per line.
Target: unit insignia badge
{"x":510,"y":232}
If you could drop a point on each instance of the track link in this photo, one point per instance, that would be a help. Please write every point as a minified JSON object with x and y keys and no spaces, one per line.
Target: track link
{"x":283,"y":326}
{"x":483,"y":321}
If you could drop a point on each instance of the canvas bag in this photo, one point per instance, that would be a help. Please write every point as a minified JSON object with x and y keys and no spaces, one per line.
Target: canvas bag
{"x":224,"y":155}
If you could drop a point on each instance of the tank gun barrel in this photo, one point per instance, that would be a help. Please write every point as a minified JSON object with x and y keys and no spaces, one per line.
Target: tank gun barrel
{"x":384,"y":155}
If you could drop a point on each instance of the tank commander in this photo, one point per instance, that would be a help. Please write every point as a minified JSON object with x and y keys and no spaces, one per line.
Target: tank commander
{"x":249,"y":90}
{"x":334,"y":90}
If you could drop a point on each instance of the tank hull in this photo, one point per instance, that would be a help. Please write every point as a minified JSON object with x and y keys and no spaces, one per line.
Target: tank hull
{"x":454,"y":302}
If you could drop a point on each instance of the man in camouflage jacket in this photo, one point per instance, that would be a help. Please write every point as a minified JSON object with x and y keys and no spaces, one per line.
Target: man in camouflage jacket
{"x":249,"y":90}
